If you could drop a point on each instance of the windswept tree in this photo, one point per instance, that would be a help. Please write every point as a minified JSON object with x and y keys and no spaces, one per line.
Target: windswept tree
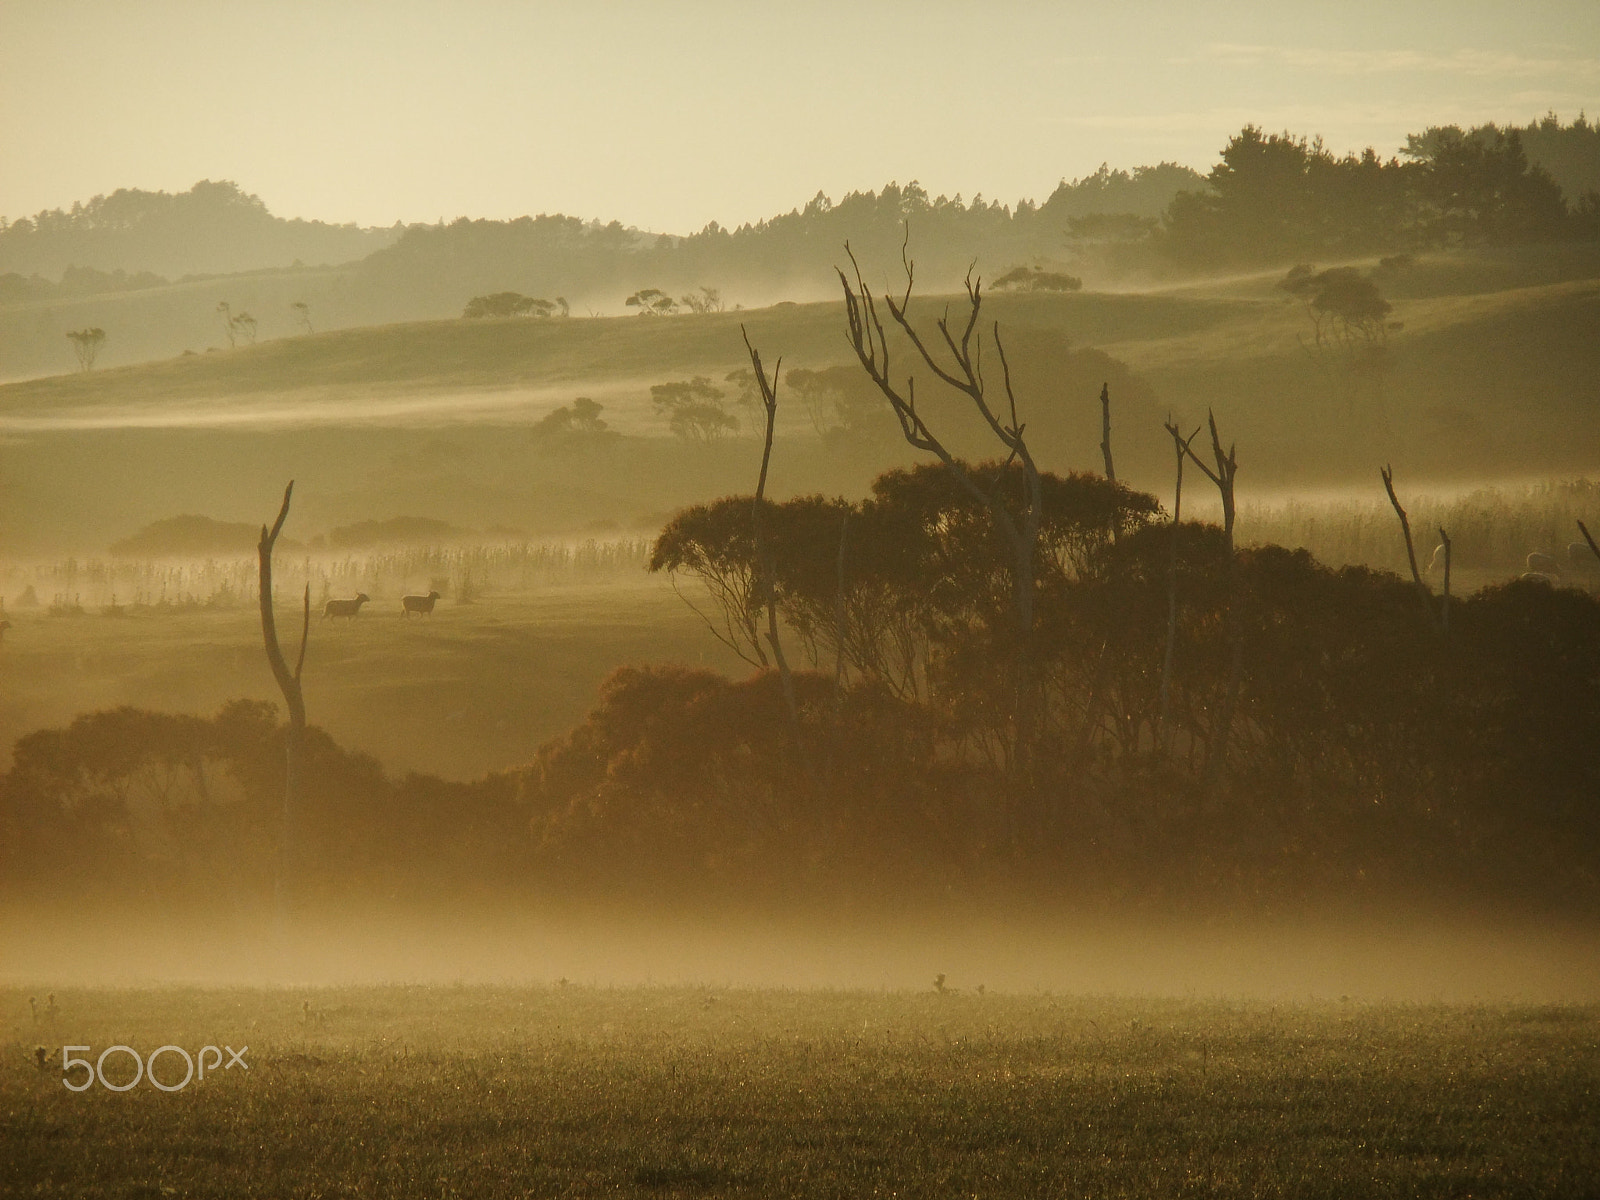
{"x":86,"y":345}
{"x":236,"y":325}
{"x":694,"y":409}
{"x":706,"y":300}
{"x":301,"y":312}
{"x":845,"y":409}
{"x":1347,"y":312}
{"x":1036,"y":279}
{"x":652,"y":302}
{"x":578,"y":423}
{"x":510,"y":304}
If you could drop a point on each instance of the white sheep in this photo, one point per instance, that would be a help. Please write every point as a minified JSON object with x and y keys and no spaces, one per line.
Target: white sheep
{"x":345,"y":608}
{"x":418,"y":604}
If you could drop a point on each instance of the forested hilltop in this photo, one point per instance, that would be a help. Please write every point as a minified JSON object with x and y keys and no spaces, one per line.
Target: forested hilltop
{"x":149,"y":238}
{"x":1273,"y":199}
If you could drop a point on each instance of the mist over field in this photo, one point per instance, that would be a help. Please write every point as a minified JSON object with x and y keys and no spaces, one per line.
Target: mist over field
{"x":744,"y":664}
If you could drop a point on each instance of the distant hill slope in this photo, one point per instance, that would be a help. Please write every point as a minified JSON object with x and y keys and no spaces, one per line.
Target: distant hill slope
{"x":432,"y":271}
{"x":215,"y":228}
{"x":1490,"y":355}
{"x":1488,"y":374}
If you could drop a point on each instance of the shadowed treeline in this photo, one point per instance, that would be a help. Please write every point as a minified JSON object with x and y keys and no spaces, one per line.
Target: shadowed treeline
{"x":1369,"y":754}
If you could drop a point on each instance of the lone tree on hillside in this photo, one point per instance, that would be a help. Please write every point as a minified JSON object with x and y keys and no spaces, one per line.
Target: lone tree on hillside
{"x":512,"y":304}
{"x":86,"y":345}
{"x":301,"y":311}
{"x":652,"y":302}
{"x":694,"y":409}
{"x":1036,"y":279}
{"x":577,"y":423}
{"x":236,"y":324}
{"x":706,"y":300}
{"x":1347,"y":312}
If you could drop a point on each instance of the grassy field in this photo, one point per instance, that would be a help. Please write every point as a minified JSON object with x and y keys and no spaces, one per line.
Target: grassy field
{"x":473,"y":688}
{"x":583,"y":1091}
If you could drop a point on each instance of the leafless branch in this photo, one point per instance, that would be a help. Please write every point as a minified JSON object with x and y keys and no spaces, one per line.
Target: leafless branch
{"x":1411,"y":551}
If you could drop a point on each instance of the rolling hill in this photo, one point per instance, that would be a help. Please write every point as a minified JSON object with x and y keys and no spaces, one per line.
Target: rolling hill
{"x":1488,"y":371}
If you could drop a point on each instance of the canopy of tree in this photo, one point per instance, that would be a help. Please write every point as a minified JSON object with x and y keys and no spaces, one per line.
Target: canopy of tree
{"x":1035,"y":279}
{"x":511,"y":304}
{"x":1276,"y":196}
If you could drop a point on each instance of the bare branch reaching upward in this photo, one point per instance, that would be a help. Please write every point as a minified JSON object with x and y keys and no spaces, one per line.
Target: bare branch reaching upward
{"x":1584,"y":529}
{"x":1411,"y":552}
{"x":293,"y":697}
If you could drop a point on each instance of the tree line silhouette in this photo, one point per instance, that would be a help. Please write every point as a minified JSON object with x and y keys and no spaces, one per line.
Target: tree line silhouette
{"x":1368,"y":751}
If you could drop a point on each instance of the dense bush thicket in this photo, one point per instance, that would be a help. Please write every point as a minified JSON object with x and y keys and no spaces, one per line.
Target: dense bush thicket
{"x":923,"y":744}
{"x":129,"y":803}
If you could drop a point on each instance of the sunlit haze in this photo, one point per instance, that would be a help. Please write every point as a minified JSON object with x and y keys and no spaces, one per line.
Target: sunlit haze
{"x":670,"y":116}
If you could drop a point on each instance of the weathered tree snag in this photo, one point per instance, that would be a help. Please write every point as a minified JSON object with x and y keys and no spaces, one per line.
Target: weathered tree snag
{"x":1584,"y":529}
{"x":1180,"y":446}
{"x":1411,"y":552}
{"x":766,"y":583}
{"x":1444,"y":611}
{"x":289,"y":685}
{"x":1227,"y":466}
{"x":1105,"y":430}
{"x":867,"y":337}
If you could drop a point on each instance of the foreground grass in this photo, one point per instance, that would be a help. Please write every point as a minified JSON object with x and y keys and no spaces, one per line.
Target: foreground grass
{"x":648,"y":1092}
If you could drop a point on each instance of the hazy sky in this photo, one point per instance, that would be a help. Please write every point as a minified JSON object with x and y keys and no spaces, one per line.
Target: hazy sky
{"x":670,"y":115}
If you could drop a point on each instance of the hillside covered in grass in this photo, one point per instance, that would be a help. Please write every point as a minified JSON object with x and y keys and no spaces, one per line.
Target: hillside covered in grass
{"x":1482,"y":368}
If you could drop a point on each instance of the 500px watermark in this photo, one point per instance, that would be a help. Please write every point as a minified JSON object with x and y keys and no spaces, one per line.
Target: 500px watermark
{"x":145,"y":1068}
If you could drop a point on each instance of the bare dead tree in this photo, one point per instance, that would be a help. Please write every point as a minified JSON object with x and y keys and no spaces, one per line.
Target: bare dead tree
{"x":293,"y":698}
{"x":1180,"y":446}
{"x":1105,"y":430}
{"x":1584,"y":529}
{"x":766,"y":572}
{"x":1444,"y":610}
{"x":965,"y":376}
{"x":1411,"y":552}
{"x":1227,"y":466}
{"x":1222,"y":477}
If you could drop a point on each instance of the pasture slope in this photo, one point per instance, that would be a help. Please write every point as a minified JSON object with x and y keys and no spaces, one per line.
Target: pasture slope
{"x":1487,"y":372}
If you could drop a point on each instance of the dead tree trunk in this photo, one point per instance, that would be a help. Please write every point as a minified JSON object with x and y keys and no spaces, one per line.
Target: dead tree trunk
{"x":965,"y":375}
{"x":1423,"y":594}
{"x":1227,"y":466}
{"x":766,"y":582}
{"x":289,"y":685}
{"x":1180,"y":446}
{"x":1444,"y":609}
{"x":1584,"y":529}
{"x":1105,"y":430}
